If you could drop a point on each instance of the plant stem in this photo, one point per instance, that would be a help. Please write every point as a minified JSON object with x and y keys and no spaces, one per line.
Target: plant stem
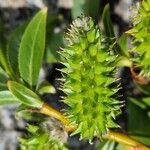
{"x":124,"y":139}
{"x":48,"y":110}
{"x":118,"y":137}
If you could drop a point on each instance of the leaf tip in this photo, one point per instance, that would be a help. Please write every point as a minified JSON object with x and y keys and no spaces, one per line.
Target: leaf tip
{"x":44,"y":10}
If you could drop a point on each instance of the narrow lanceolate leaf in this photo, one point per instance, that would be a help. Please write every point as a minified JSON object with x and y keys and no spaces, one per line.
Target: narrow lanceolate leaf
{"x":24,"y":95}
{"x":4,"y":64}
{"x":118,"y":48}
{"x":3,"y":59}
{"x":3,"y":80}
{"x":13,"y":47}
{"x":3,"y":86}
{"x":123,"y":43}
{"x":88,"y":8}
{"x":32,"y":48}
{"x":6,"y":98}
{"x":108,"y":27}
{"x":46,"y":87}
{"x":3,"y":75}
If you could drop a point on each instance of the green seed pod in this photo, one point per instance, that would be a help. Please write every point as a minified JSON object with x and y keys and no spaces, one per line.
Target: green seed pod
{"x":45,"y":137}
{"x":88,"y":76}
{"x":141,"y":34}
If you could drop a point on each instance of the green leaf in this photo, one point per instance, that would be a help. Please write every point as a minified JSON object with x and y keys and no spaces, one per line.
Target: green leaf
{"x":21,"y":108}
{"x":88,"y":8}
{"x":46,"y":87}
{"x":93,"y":9}
{"x":3,"y":86}
{"x":110,"y":145}
{"x":123,"y":43}
{"x":3,"y":80}
{"x":53,"y":46}
{"x":109,"y":32}
{"x":120,"y":147}
{"x":143,"y":88}
{"x":2,"y":35}
{"x":143,"y":139}
{"x":24,"y":95}
{"x":32,"y":48}
{"x":138,"y":102}
{"x":138,"y":123}
{"x":138,"y":120}
{"x":3,"y":56}
{"x":22,"y":111}
{"x":77,"y":9}
{"x":4,"y":63}
{"x":3,"y":75}
{"x":108,"y":27}
{"x":32,"y":128}
{"x":53,"y":40}
{"x":7,"y":98}
{"x":40,"y":138}
{"x":122,"y":61}
{"x":13,"y":47}
{"x":146,"y":100}
{"x":106,"y":145}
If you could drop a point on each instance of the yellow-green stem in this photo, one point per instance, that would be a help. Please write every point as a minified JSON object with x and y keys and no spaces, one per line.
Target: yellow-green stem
{"x":118,"y":137}
{"x":48,"y":110}
{"x":126,"y":140}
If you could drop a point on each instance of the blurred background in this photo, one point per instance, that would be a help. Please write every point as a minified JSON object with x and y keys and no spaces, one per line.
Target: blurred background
{"x":14,"y":13}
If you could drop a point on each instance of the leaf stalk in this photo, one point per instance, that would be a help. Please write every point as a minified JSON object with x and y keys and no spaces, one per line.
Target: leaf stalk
{"x":48,"y":110}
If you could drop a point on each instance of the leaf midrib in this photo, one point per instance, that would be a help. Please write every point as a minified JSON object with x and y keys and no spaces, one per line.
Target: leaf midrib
{"x":32,"y":53}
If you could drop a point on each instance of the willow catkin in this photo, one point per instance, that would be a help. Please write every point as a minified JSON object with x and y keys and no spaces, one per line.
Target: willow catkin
{"x":87,"y":77}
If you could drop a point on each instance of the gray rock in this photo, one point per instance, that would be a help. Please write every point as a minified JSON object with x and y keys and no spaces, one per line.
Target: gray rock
{"x":9,"y":140}
{"x":65,"y":3}
{"x":10,"y":128}
{"x":123,"y":9}
{"x":21,"y":3}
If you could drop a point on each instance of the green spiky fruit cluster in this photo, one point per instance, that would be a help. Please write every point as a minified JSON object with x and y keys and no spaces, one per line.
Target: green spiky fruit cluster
{"x":141,"y":34}
{"x":40,"y":140}
{"x":88,"y":77}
